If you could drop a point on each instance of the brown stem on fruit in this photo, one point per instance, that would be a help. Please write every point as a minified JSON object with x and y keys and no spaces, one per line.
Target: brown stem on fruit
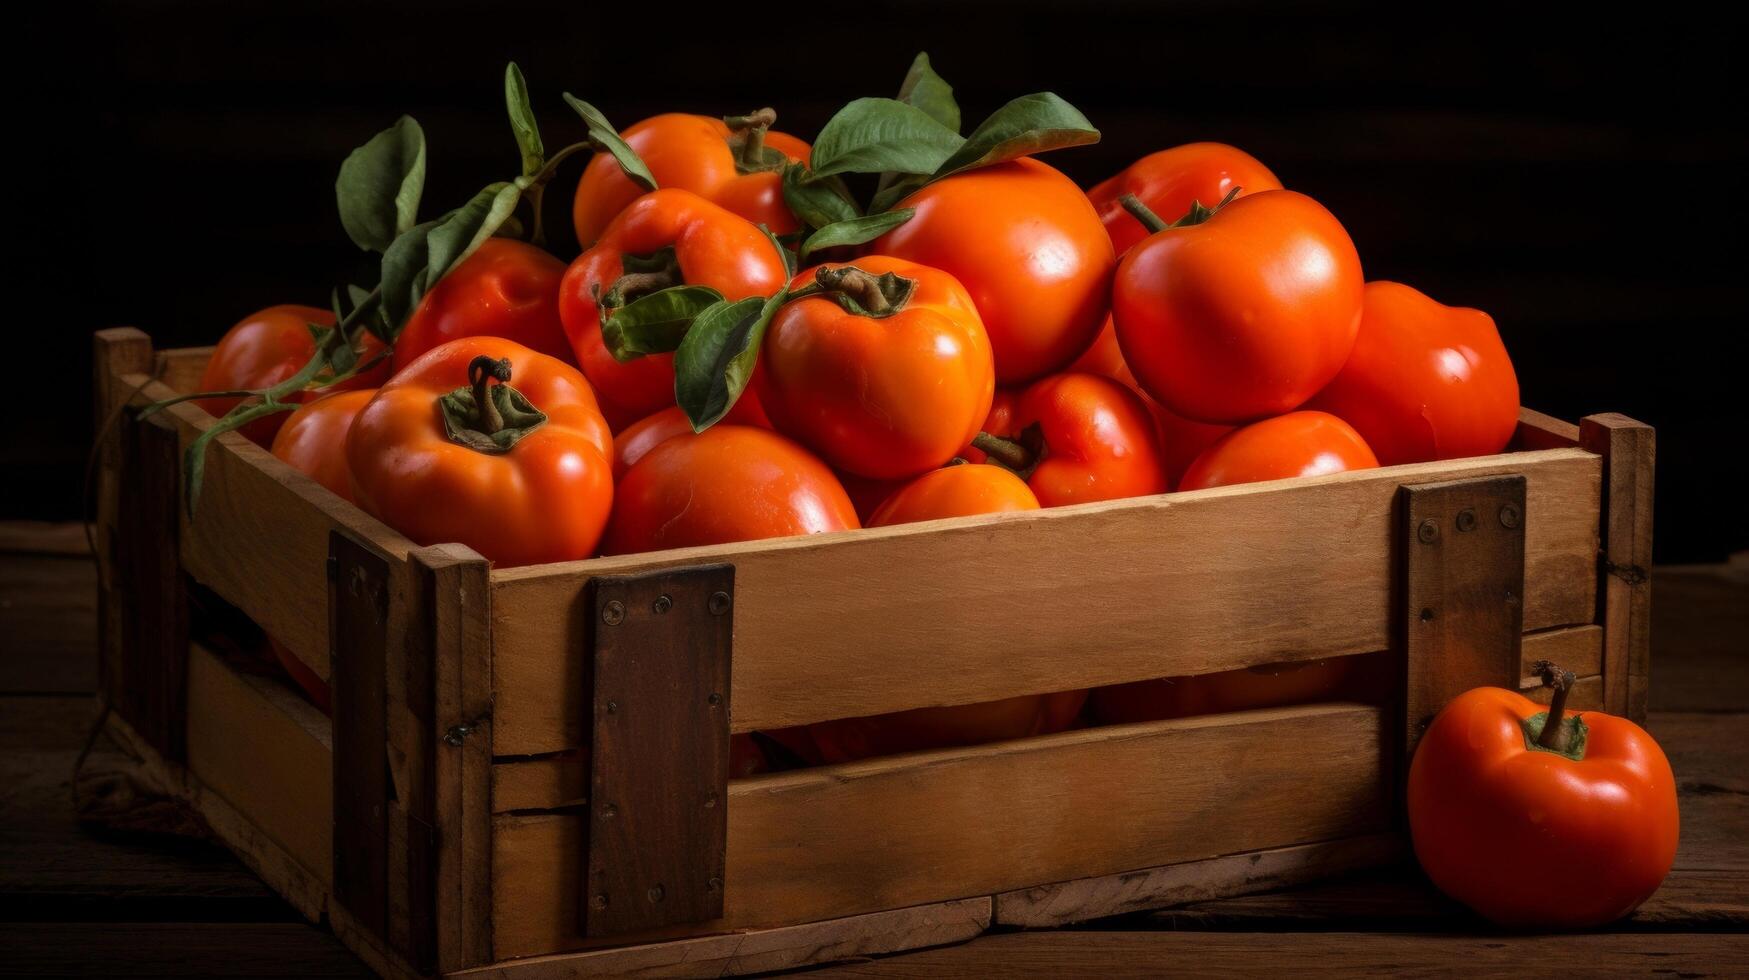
{"x":482,"y":371}
{"x":1554,"y":734}
{"x":631,"y":285}
{"x":863,"y":287}
{"x":749,"y":134}
{"x":1004,"y":451}
{"x":1143,"y":213}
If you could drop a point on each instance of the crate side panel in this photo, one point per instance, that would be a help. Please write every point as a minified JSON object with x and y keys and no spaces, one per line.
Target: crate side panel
{"x":930,"y":827}
{"x":855,"y":624}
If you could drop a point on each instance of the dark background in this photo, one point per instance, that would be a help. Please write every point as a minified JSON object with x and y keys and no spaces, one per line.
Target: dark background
{"x":1576,"y":178}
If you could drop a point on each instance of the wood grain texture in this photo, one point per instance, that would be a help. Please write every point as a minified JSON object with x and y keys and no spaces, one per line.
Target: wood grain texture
{"x":249,"y":495}
{"x":1629,"y":452}
{"x":1463,"y":561}
{"x":1107,"y":593}
{"x":562,"y":779}
{"x":1114,"y":955}
{"x":659,"y":758}
{"x":1586,"y":694}
{"x":267,"y":753}
{"x":1538,"y":431}
{"x":761,"y":951}
{"x":458,"y":597}
{"x":358,"y":623}
{"x":927,"y":827}
{"x":1235,"y":874}
{"x":149,"y":684}
{"x":180,"y":368}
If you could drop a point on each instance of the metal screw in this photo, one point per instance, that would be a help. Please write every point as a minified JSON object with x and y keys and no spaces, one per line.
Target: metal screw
{"x":710,"y":800}
{"x":612,"y":706}
{"x":614,"y":613}
{"x":456,"y":733}
{"x":608,"y":810}
{"x":1466,"y":520}
{"x":714,"y":884}
{"x":1428,"y":532}
{"x":1509,"y":515}
{"x":662,"y":604}
{"x":719,"y":603}
{"x":714,"y":700}
{"x":600,"y":901}
{"x":655,"y":893}
{"x":1511,"y":597}
{"x":1427,"y":615}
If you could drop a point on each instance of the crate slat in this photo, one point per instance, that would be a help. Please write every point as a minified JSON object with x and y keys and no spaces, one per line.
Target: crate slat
{"x":928,"y":827}
{"x":860,"y":623}
{"x":1629,"y":451}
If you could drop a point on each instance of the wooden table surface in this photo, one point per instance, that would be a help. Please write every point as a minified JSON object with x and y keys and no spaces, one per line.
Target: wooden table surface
{"x":79,"y":902}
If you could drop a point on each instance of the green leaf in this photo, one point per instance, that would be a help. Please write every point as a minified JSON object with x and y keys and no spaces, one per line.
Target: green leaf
{"x":1030,"y":124}
{"x":784,"y":252}
{"x":855,"y":231}
{"x":817,"y":203}
{"x":605,"y":136}
{"x":522,"y":121}
{"x":869,"y":136}
{"x":894,"y":193}
{"x":380,"y":184}
{"x":656,"y":322}
{"x":420,"y":257}
{"x":929,"y":92}
{"x":714,"y":363}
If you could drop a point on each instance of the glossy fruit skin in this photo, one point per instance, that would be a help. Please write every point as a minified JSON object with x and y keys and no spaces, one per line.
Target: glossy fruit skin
{"x":1425,"y":381}
{"x":881,"y":397}
{"x":1099,"y":440}
{"x":690,"y":153}
{"x":1272,"y":686}
{"x":1243,"y":316}
{"x":999,"y":422}
{"x":727,"y":483}
{"x":1532,"y":839}
{"x":1181,"y":440}
{"x":546,"y":499}
{"x":1287,"y":446}
{"x":714,"y":248}
{"x":506,"y":289}
{"x":1169,"y":181}
{"x":267,"y":347}
{"x":1029,"y":248}
{"x":635,"y":441}
{"x":313,"y":438}
{"x":956,"y":491}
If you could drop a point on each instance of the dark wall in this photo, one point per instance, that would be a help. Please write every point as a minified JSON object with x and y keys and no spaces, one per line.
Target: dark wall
{"x":1575,"y":178}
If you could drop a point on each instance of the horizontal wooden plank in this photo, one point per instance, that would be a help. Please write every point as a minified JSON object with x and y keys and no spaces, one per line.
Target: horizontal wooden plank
{"x":1538,"y":431}
{"x":761,"y":951}
{"x":267,"y":752}
{"x":259,"y":537}
{"x":857,"y":623}
{"x":180,"y":368}
{"x":562,"y":779}
{"x":1585,"y":695}
{"x":928,"y":827}
{"x":1234,"y":874}
{"x":1575,"y":648}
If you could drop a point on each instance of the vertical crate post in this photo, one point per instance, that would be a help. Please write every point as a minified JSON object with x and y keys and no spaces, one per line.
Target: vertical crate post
{"x":1461,"y":610}
{"x":451,"y":911}
{"x":143,"y":628}
{"x":358,"y":637}
{"x":659,"y":750}
{"x":1624,"y":595}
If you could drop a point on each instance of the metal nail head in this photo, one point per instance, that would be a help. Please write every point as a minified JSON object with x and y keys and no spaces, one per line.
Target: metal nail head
{"x":662,"y":604}
{"x":1509,"y":515}
{"x":655,"y":893}
{"x":1428,"y":532}
{"x":1466,"y":520}
{"x":600,"y":901}
{"x":614,"y":613}
{"x":719,"y":603}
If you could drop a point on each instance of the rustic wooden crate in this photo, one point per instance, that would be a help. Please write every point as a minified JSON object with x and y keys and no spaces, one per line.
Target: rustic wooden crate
{"x":462,"y":813}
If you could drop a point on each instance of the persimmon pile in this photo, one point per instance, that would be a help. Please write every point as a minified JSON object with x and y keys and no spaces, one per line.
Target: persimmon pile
{"x":906,"y":319}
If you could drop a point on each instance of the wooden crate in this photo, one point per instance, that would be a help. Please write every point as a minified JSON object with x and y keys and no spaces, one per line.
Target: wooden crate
{"x":479,"y":807}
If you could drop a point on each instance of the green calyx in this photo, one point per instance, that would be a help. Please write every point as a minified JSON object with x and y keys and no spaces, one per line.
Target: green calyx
{"x":861,"y":293}
{"x":486,"y":417}
{"x":1572,"y":735}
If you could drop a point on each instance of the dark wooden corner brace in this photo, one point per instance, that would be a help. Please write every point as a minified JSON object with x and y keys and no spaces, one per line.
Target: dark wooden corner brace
{"x":1461,"y":605}
{"x":149,"y":667}
{"x":659,"y":646}
{"x":358,"y":624}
